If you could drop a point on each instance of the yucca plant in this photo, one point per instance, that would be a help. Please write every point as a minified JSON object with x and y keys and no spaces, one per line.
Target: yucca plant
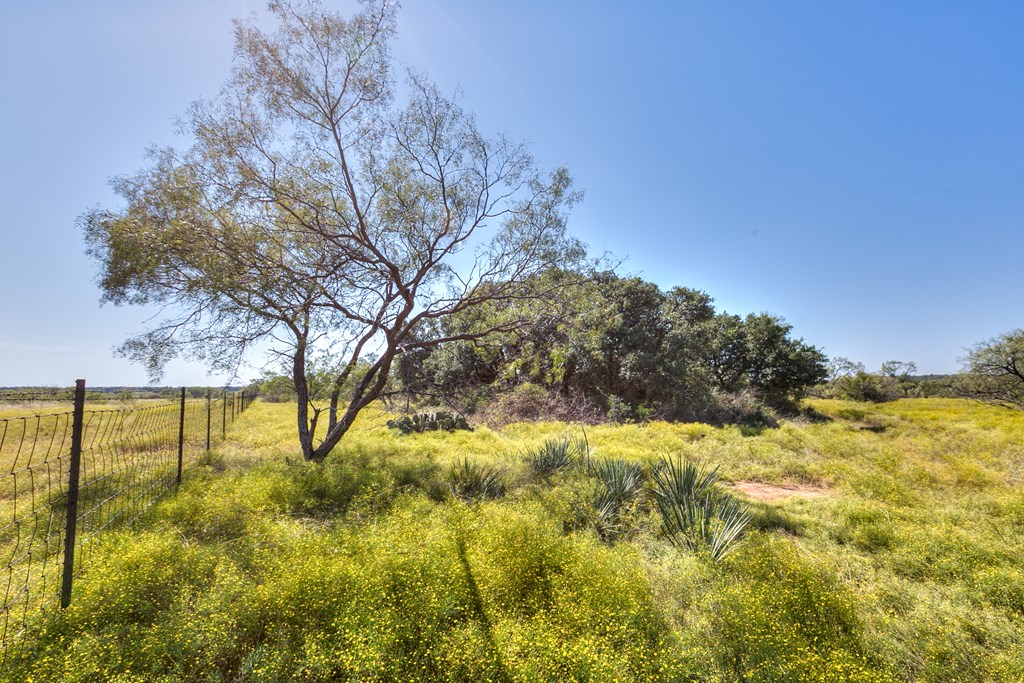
{"x":580,"y":445}
{"x":696,"y":513}
{"x":618,"y":483}
{"x":470,"y":481}
{"x":555,"y":455}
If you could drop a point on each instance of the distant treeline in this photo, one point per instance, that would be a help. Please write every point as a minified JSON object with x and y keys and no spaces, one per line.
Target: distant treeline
{"x":894,"y":380}
{"x":113,"y":393}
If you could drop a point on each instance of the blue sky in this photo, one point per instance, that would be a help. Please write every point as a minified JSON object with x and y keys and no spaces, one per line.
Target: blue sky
{"x":857,"y":168}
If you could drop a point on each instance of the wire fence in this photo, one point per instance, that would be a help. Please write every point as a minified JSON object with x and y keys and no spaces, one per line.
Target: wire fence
{"x":65,"y":477}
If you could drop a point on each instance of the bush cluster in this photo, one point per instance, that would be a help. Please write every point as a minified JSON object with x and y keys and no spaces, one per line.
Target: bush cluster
{"x":617,"y":348}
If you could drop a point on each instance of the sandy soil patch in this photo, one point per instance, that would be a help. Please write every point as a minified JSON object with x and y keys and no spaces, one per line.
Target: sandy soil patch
{"x":763,"y":491}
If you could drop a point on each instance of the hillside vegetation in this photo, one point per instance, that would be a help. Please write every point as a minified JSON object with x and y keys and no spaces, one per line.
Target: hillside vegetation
{"x":904,"y":565}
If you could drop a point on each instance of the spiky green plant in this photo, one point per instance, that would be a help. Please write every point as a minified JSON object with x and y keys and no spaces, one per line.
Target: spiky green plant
{"x":696,"y":513}
{"x":555,"y":455}
{"x":470,"y":481}
{"x":580,"y":445}
{"x":618,"y":483}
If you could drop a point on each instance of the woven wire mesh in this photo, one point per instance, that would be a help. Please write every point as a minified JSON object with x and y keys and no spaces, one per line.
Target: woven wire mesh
{"x":129,"y":459}
{"x":33,"y":487}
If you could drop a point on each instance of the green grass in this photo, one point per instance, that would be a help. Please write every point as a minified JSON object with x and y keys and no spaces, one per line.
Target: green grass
{"x":265,"y":568}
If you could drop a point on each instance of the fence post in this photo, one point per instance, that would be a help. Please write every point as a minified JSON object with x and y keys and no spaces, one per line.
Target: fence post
{"x":234,"y":400}
{"x":224,"y":417}
{"x":78,"y":417}
{"x":181,"y":433}
{"x":208,"y":410}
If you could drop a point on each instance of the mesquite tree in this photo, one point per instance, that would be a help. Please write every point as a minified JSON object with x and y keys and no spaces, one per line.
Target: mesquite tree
{"x":994,"y":370}
{"x":313,"y":210}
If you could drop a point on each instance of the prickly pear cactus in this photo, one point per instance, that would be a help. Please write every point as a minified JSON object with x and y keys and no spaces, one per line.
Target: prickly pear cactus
{"x":429,"y":422}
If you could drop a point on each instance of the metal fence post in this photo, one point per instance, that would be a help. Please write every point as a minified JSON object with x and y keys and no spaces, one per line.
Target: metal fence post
{"x":78,"y":417}
{"x":181,"y":434}
{"x":208,"y":410}
{"x":224,"y":417}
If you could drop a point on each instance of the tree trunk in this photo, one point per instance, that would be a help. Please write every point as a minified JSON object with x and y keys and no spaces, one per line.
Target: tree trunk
{"x":302,"y":394}
{"x":367,"y":391}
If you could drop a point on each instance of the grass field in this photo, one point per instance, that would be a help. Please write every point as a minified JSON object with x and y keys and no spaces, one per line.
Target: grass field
{"x":904,"y":565}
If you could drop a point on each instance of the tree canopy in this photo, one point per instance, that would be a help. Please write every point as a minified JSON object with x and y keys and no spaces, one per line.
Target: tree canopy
{"x":626,"y":345}
{"x":994,"y":370}
{"x":313,"y":209}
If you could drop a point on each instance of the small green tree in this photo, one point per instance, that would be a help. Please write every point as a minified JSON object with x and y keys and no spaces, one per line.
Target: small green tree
{"x":841,"y":366}
{"x":902,"y":373}
{"x":757,"y":353}
{"x":867,"y":386}
{"x":275,"y":388}
{"x":781,"y":367}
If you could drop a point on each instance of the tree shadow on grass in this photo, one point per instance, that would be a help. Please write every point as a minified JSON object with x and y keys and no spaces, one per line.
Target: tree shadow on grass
{"x":478,"y":608}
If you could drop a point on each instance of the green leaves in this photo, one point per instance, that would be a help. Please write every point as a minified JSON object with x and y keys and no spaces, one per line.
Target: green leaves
{"x":470,"y":481}
{"x":995,"y":370}
{"x":696,"y":513}
{"x":619,"y":483}
{"x":555,"y":455}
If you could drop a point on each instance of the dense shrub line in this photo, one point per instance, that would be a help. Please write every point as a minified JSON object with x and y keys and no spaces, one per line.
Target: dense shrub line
{"x":623,"y":349}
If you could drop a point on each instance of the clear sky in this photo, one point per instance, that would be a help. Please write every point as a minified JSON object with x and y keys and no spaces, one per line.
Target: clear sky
{"x":855,"y":167}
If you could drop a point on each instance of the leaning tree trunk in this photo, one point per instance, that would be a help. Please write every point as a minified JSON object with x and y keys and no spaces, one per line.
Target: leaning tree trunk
{"x":367,"y":391}
{"x":302,"y":395}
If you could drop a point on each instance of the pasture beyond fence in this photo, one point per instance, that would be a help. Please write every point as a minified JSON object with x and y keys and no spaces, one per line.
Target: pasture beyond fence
{"x":67,"y":476}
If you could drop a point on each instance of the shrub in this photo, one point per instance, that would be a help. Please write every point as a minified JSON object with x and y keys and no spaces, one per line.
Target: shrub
{"x":532,"y":403}
{"x":742,"y":409}
{"x":619,"y":483}
{"x":866,"y":386}
{"x":696,"y":513}
{"x":471,"y":481}
{"x":555,"y":455}
{"x":619,"y":411}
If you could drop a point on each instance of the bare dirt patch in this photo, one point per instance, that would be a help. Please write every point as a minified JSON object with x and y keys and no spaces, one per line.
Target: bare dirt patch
{"x":763,"y":491}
